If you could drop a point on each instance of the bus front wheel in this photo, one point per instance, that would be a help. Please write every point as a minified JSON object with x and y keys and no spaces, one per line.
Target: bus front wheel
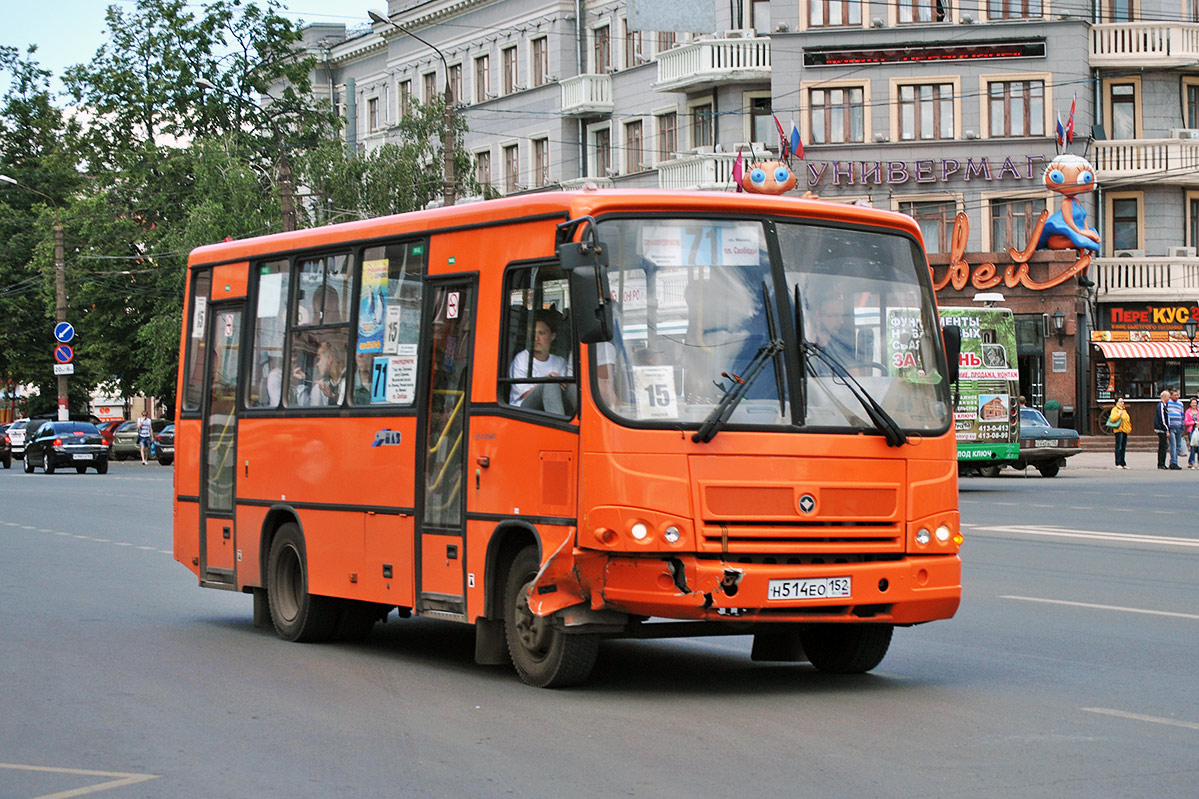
{"x":846,"y":648}
{"x":296,"y":614}
{"x":544,"y":656}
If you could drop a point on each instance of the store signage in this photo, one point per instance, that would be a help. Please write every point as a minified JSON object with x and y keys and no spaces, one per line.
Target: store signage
{"x":1148,"y":317}
{"x":987,"y":275}
{"x":893,"y":173}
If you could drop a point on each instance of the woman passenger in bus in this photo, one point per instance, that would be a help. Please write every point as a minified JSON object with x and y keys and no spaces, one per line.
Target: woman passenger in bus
{"x":330,"y":385}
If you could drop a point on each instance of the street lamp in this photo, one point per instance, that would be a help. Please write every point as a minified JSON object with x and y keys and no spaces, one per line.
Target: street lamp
{"x":448,"y":190}
{"x":60,"y":286}
{"x":1059,"y":326}
{"x":1190,"y":327}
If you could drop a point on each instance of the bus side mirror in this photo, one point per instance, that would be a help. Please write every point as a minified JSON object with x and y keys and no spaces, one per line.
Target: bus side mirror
{"x":951,"y":335}
{"x":586,"y":263}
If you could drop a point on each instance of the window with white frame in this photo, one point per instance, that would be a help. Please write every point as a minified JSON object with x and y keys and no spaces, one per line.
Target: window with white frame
{"x":633,"y":52}
{"x":1125,"y":221}
{"x":541,"y":61}
{"x":634,"y":151}
{"x":405,"y":97}
{"x":372,"y":114}
{"x":761,"y":120}
{"x":541,"y":162}
{"x":456,"y":82}
{"x":601,"y":50}
{"x":1013,"y":220}
{"x":1013,"y":9}
{"x":668,"y":135}
{"x":512,"y":168}
{"x":918,"y":11}
{"x":483,"y":167}
{"x":834,"y":13}
{"x":430,"y":83}
{"x":1122,"y":101}
{"x":703,"y":123}
{"x":508,"y":65}
{"x":1016,"y":107}
{"x":482,"y":78}
{"x":667,"y":40}
{"x":926,"y":111}
{"x":601,"y":151}
{"x":836,"y":115}
{"x":935,"y":219}
{"x":1118,"y":11}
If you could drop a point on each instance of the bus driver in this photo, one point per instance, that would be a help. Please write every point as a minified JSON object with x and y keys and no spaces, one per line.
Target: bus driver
{"x":544,"y":364}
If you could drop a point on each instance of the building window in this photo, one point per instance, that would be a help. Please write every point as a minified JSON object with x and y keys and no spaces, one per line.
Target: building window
{"x":541,"y":162}
{"x":633,"y":54}
{"x":935,"y":220}
{"x":483,"y":168}
{"x":1126,"y":228}
{"x":1192,"y":12}
{"x":926,"y":112}
{"x":508,"y":63}
{"x":456,"y":83}
{"x":1013,"y":9}
{"x":372,"y":114}
{"x":837,"y":115}
{"x":1192,"y":101}
{"x":667,"y":40}
{"x":923,"y":10}
{"x":1193,"y":220}
{"x":1123,"y":100}
{"x":405,"y":98}
{"x":760,"y":10}
{"x":834,"y":13}
{"x":511,"y":168}
{"x":482,"y":78}
{"x":601,"y":51}
{"x":601,"y":152}
{"x":761,"y":122}
{"x":1017,"y":107}
{"x":668,"y":135}
{"x":702,"y":123}
{"x":541,"y":61}
{"x":1117,"y":11}
{"x":634,"y":155}
{"x":430,"y":81}
{"x":1012,"y":222}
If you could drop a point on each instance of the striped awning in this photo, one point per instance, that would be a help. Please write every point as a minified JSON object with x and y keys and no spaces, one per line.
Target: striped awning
{"x":1174,"y":350}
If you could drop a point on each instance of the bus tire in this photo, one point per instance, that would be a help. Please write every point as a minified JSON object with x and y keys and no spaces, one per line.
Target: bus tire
{"x":544,"y":657}
{"x":297,"y":615}
{"x":989,"y":471}
{"x":846,"y":648}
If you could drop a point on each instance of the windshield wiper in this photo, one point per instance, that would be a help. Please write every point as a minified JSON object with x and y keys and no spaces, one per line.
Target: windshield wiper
{"x":735,"y":392}
{"x":882,"y":420}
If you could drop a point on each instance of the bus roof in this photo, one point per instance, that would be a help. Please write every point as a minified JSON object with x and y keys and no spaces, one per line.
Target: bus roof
{"x":567,"y":205}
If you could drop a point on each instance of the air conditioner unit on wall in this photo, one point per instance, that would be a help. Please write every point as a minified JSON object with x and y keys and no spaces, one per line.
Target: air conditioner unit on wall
{"x":1184,"y":133}
{"x":1180,"y":252}
{"x":1130,"y":253}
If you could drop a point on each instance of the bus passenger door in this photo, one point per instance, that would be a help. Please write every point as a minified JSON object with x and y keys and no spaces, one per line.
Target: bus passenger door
{"x":218,"y":443}
{"x":441,"y":506}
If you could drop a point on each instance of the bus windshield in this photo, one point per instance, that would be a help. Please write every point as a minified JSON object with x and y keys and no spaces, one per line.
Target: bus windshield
{"x":696,"y":305}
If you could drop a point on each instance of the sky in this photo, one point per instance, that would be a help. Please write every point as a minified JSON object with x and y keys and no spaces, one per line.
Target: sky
{"x":68,"y":32}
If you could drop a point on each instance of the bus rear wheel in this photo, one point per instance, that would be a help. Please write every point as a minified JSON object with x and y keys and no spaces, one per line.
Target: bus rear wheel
{"x":544,"y":656}
{"x":296,"y":614}
{"x":846,"y":648}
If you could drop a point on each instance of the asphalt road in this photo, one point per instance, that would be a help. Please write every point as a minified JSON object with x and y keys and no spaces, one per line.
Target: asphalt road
{"x":1070,"y":671}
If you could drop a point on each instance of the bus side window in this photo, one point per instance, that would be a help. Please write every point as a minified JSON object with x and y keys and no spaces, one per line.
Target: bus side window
{"x":538,"y":370}
{"x":385,"y":345}
{"x":265,"y":387}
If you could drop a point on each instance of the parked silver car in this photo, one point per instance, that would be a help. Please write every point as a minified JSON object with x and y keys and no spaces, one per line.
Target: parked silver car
{"x":16,"y":437}
{"x":124,"y":440}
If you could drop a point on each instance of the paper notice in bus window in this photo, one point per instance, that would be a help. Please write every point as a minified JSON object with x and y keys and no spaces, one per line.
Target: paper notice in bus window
{"x":654,"y":386}
{"x":401,"y":376}
{"x":270,"y":291}
{"x":199,"y":317}
{"x":739,"y":245}
{"x":391,"y":330}
{"x":372,"y":309}
{"x":711,"y":244}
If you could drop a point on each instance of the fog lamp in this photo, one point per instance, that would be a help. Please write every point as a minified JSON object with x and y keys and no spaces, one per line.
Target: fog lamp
{"x":672,"y":534}
{"x":923,"y":536}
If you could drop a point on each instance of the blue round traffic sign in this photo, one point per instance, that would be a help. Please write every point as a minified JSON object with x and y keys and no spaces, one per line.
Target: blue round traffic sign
{"x":64,"y":332}
{"x":63,"y":353}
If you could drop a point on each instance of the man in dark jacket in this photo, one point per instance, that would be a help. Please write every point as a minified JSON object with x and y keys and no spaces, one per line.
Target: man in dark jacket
{"x":1161,"y":426}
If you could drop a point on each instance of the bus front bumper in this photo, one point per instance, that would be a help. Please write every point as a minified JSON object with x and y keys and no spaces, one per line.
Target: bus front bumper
{"x":908,"y":591}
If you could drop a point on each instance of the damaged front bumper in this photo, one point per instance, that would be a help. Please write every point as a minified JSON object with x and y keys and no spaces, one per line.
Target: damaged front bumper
{"x":581,"y":584}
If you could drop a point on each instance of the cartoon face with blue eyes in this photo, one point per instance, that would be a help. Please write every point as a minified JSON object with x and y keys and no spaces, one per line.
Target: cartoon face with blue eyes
{"x":1069,"y":175}
{"x":768,"y":177}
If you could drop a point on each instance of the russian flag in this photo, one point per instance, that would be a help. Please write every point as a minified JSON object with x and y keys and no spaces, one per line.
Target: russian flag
{"x":796,"y":143}
{"x":1061,"y":131}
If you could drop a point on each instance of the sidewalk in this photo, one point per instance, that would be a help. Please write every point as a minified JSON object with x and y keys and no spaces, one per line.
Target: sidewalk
{"x":1137,"y":461}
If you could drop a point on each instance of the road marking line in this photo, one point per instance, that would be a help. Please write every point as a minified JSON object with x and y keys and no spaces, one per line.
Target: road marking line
{"x":1092,"y":535}
{"x":119,"y":779}
{"x":1170,"y":613}
{"x":1107,"y":711}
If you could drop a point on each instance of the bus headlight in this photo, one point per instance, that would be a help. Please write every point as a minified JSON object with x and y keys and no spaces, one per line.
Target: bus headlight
{"x":639,"y":531}
{"x":943,"y":534}
{"x":923,"y":536}
{"x":671,"y":535}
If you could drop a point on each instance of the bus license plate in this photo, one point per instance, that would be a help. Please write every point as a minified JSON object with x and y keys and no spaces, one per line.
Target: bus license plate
{"x":82,"y":457}
{"x":815,"y":588}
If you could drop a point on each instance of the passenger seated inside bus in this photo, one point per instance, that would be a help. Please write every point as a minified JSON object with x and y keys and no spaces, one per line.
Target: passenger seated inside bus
{"x":364,"y":362}
{"x":326,"y":384}
{"x":543,"y":363}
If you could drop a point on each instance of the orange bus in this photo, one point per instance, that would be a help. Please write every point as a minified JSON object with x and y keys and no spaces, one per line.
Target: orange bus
{"x":567,"y":417}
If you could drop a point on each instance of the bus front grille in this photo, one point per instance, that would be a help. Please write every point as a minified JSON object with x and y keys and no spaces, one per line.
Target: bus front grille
{"x":801,"y":539}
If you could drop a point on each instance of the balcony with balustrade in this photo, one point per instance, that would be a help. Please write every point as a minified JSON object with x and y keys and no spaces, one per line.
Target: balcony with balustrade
{"x":586,"y":95}
{"x":1145,"y":45}
{"x":703,"y":171}
{"x":713,"y":62}
{"x":1140,"y":279}
{"x":1171,"y":160}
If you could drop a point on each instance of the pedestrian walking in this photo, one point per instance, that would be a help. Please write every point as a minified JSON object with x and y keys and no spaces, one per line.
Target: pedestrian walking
{"x":1161,"y":426}
{"x":144,"y":430}
{"x":1178,"y":438}
{"x":1190,"y":421}
{"x":1121,"y":424}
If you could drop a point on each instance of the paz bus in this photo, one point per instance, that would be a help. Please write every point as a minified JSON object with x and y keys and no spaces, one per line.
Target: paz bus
{"x":566,"y":417}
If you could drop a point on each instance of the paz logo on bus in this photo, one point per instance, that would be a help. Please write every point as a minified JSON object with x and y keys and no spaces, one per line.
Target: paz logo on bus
{"x":386,"y":438}
{"x":64,"y":332}
{"x":63,"y":353}
{"x":807,"y":504}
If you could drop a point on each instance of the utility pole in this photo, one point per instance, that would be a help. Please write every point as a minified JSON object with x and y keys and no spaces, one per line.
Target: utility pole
{"x":60,"y":308}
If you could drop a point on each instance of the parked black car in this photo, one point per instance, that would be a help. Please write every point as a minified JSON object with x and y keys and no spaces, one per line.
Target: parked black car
{"x":55,"y":444}
{"x":163,"y":445}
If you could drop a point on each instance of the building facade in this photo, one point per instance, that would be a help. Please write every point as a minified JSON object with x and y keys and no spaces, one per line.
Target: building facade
{"x":945,"y":111}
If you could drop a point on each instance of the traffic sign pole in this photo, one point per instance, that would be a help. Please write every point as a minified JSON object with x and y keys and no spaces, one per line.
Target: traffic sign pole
{"x":60,"y":308}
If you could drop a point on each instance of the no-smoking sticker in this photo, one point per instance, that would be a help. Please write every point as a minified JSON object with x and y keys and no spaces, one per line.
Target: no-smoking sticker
{"x":451,"y":305}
